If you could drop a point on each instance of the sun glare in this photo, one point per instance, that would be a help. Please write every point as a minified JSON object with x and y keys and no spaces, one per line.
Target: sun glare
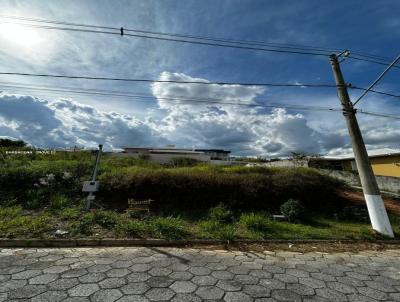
{"x":20,"y":35}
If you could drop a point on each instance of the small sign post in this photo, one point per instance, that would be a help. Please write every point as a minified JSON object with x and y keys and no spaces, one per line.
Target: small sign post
{"x":139,"y":206}
{"x":92,"y":186}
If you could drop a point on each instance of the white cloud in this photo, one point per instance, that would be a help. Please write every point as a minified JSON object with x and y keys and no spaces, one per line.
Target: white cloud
{"x":245,"y":130}
{"x":242,"y":129}
{"x":63,"y":123}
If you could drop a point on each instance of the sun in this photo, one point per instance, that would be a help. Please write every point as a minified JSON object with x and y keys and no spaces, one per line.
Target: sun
{"x":19,"y":35}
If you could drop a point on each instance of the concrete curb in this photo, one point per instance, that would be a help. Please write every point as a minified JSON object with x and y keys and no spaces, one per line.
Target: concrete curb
{"x":13,"y":243}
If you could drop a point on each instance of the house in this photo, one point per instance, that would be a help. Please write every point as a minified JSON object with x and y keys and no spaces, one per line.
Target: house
{"x":166,"y":154}
{"x":216,"y":154}
{"x":384,"y":162}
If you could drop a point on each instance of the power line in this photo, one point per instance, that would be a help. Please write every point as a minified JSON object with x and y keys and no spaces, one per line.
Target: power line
{"x":371,"y":61}
{"x":166,"y":81}
{"x":194,"y":82}
{"x":180,"y":98}
{"x":205,"y":38}
{"x":376,"y":91}
{"x":377,"y":80}
{"x":175,"y":40}
{"x":138,"y":97}
{"x":396,"y":117}
{"x":199,"y":37}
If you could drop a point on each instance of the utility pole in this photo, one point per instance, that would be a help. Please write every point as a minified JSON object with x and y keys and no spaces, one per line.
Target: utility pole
{"x":376,"y":208}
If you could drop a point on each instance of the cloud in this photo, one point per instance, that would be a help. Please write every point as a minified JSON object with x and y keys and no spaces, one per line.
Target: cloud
{"x":245,"y":130}
{"x":65,"y":123}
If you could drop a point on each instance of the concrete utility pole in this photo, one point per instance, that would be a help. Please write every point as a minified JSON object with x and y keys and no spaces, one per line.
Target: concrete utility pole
{"x":376,"y":208}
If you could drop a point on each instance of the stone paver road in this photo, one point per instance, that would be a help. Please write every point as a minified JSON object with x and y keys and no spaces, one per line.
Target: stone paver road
{"x":160,"y":274}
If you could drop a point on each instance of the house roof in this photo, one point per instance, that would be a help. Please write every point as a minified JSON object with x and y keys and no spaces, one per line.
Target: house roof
{"x":174,"y":150}
{"x":371,"y":153}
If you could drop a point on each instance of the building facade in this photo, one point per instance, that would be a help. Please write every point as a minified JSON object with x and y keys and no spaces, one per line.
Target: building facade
{"x":168,"y":154}
{"x":384,"y":162}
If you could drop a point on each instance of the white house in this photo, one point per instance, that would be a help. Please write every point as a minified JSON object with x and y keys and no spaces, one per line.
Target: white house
{"x":165,"y":155}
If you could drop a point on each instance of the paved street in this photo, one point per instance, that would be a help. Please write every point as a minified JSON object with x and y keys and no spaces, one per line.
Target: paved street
{"x":156,"y":274}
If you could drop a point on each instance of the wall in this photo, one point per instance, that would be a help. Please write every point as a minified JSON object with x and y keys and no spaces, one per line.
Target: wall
{"x":289,"y":163}
{"x":385,"y":183}
{"x":166,"y":158}
{"x":388,"y":166}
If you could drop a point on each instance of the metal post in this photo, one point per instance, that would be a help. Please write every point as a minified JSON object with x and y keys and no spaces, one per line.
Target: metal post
{"x":90,"y":197}
{"x":376,"y":208}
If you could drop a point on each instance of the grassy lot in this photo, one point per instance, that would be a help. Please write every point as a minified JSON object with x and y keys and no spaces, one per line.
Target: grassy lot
{"x":15,"y":222}
{"x":40,"y":194}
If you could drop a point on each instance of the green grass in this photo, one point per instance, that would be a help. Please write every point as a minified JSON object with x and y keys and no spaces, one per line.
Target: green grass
{"x":25,"y":226}
{"x":41,"y":193}
{"x":169,"y":228}
{"x":15,"y":222}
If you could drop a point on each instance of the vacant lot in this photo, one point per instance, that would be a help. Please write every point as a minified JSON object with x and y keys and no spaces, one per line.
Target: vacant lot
{"x":41,"y":194}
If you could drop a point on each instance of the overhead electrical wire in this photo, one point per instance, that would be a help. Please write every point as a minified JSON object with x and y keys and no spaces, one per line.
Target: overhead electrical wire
{"x":138,"y":97}
{"x":166,"y":81}
{"x":175,"y":98}
{"x":391,"y":116}
{"x":315,"y":85}
{"x":163,"y":38}
{"x":371,"y":61}
{"x":233,"y":43}
{"x":197,"y":37}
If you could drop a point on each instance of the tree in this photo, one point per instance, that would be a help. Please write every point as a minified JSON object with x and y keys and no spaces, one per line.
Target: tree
{"x":5,"y":142}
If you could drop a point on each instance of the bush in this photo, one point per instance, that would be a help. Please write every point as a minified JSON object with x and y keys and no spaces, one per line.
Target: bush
{"x":255,"y":222}
{"x":70,"y":213}
{"x":36,"y":198}
{"x":131,"y":228}
{"x":216,"y":230}
{"x":226,"y":232}
{"x":10,"y":212}
{"x":207,"y":186}
{"x":355,"y":213}
{"x":106,"y":219}
{"x":183,"y":162}
{"x":58,"y":202}
{"x":30,"y":226}
{"x":169,"y":227}
{"x":83,"y":226}
{"x":293,"y":210}
{"x":220,"y":213}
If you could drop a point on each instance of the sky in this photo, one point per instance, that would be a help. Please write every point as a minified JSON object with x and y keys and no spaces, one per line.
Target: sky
{"x":59,"y":119}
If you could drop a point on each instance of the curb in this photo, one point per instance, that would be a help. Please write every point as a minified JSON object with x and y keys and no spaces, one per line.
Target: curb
{"x":61,"y":243}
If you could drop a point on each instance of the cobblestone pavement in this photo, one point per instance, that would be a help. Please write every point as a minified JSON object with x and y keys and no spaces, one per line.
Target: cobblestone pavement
{"x":159,"y":274}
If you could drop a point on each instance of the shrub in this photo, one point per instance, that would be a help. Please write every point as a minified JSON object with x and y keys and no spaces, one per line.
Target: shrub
{"x":70,"y":213}
{"x":220,"y":213}
{"x":36,"y":198}
{"x":106,"y":219}
{"x":169,"y":227}
{"x":293,"y":210}
{"x":207,"y":186}
{"x":58,"y":202}
{"x":226,"y":232}
{"x":214,"y":229}
{"x":10,"y":212}
{"x":30,"y":226}
{"x":131,"y":228}
{"x":83,"y":226}
{"x":356,"y":213}
{"x":209,"y":226}
{"x":183,"y":162}
{"x":255,"y":222}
